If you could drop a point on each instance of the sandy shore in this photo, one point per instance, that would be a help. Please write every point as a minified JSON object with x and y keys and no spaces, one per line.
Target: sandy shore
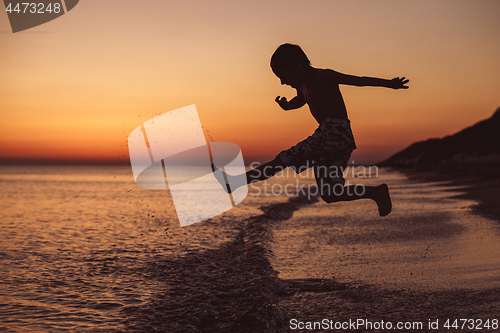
{"x":435,"y":261}
{"x":430,"y":298}
{"x":302,"y":261}
{"x":481,"y":182}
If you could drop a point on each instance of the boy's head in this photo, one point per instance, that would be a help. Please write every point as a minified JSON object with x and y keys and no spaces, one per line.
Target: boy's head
{"x":288,"y":63}
{"x":289,"y":56}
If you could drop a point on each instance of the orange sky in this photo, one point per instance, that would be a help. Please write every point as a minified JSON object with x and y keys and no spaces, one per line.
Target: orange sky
{"x":75,"y":87}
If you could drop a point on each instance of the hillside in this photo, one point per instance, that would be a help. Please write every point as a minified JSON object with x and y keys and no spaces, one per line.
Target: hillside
{"x":480,"y":141}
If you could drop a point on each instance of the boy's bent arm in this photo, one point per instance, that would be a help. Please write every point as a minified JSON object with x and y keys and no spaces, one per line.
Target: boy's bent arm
{"x":365,"y":81}
{"x":295,"y":103}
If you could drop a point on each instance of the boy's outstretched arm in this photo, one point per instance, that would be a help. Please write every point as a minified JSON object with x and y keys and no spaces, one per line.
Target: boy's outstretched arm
{"x":365,"y":81}
{"x":295,"y":103}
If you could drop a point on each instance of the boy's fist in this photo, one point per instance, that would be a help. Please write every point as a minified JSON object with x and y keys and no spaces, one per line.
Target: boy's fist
{"x":282,"y":102}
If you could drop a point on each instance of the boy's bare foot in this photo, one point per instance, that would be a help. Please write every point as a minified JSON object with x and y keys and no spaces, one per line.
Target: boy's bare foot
{"x":221,"y":176}
{"x":383,"y":200}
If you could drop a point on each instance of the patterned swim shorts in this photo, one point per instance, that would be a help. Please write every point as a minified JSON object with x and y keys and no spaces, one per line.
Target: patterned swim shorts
{"x":327,"y":150}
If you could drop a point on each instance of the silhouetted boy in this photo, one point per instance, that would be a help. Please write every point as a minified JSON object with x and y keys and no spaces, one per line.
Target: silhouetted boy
{"x":329,"y":148}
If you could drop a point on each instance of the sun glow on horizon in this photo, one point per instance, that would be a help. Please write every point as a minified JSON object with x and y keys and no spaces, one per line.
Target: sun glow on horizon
{"x":73,"y":90}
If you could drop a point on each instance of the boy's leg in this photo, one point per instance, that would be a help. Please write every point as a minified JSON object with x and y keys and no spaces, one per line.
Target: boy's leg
{"x":380,"y":194}
{"x":265,"y":171}
{"x":333,"y":190}
{"x":262,"y":172}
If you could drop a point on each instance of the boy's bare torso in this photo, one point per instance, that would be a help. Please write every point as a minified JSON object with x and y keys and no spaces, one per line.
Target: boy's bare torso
{"x":322,"y":94}
{"x":319,"y":88}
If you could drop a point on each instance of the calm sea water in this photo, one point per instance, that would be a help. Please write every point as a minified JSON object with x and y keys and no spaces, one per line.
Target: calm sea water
{"x":74,"y":242}
{"x":79,"y":245}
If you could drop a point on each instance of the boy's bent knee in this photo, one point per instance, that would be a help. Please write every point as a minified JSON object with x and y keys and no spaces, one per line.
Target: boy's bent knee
{"x":332,"y":193}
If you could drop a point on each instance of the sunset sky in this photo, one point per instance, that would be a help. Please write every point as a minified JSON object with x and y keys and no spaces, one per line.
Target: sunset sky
{"x":74,"y":88}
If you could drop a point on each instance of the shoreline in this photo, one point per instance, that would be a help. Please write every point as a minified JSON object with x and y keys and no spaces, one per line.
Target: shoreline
{"x":232,"y":288}
{"x":480,"y":182}
{"x":237,"y":288}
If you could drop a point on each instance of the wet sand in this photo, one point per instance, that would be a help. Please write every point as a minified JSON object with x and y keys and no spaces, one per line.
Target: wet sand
{"x":433,"y":258}
{"x":232,"y":288}
{"x":301,"y":260}
{"x":480,"y":181}
{"x":430,"y":241}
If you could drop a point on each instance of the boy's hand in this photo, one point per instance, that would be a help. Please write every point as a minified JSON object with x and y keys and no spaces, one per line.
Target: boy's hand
{"x":295,"y":103}
{"x":282,"y":102}
{"x":399,"y":83}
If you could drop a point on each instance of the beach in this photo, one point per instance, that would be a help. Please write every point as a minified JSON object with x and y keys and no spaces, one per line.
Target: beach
{"x":433,"y":259}
{"x":84,"y":249}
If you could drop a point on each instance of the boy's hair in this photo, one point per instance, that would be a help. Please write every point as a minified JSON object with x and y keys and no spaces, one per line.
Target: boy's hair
{"x":289,"y":56}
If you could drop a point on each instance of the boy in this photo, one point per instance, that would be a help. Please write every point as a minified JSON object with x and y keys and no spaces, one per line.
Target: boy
{"x":329,"y":148}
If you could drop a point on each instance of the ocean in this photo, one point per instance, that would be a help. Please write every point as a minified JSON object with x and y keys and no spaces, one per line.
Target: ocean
{"x":82,"y":248}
